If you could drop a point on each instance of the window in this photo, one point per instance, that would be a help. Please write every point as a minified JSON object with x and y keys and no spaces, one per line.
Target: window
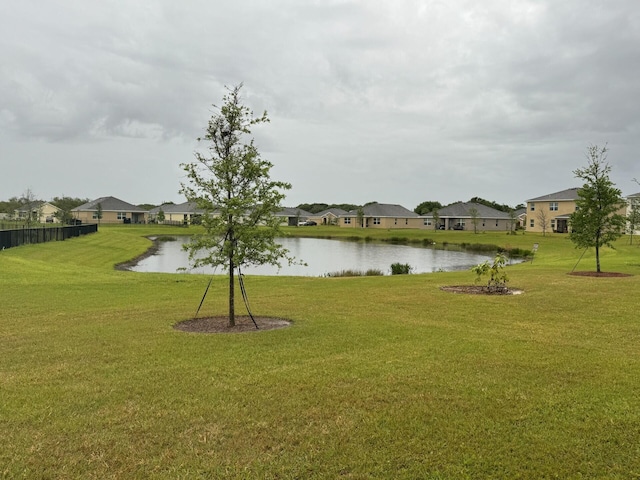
{"x":395,"y":221}
{"x":122,"y":215}
{"x":406,"y":221}
{"x":376,"y":220}
{"x":532,"y":223}
{"x":553,"y":224}
{"x":532,"y":207}
{"x":347,"y":221}
{"x":427,"y":221}
{"x":553,"y":206}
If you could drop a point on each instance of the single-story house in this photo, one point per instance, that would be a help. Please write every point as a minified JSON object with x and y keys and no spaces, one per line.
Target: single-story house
{"x":40,"y":212}
{"x":182,"y":213}
{"x":462,"y":215}
{"x":327,"y":217}
{"x":381,"y":215}
{"x":113,"y":210}
{"x":293,"y":216}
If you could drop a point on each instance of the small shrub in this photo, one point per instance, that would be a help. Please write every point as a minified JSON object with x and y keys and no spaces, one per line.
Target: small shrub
{"x":497,"y":276}
{"x":400,"y":268}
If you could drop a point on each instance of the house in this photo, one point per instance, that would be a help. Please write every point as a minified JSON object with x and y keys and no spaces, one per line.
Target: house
{"x":462,"y":215}
{"x":113,"y":210}
{"x":551,"y":211}
{"x":328,"y":217}
{"x":381,"y":215}
{"x":633,"y":202}
{"x":293,"y":216}
{"x":39,"y":212}
{"x":182,"y":214}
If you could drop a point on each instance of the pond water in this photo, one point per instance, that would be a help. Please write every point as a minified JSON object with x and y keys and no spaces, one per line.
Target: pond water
{"x":323,"y":257}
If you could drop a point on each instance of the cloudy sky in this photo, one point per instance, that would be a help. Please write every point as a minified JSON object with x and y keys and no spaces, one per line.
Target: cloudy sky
{"x":373,"y":100}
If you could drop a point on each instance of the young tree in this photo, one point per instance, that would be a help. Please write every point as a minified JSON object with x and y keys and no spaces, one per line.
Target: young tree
{"x":544,"y":221}
{"x":232,"y":185}
{"x":512,"y":221}
{"x":99,"y":212}
{"x":475,"y":218}
{"x":161,"y":216}
{"x":596,"y":222}
{"x":436,"y":220}
{"x":360,"y":217}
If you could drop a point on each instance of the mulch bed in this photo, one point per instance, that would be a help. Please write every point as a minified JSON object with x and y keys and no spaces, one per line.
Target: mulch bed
{"x":600,"y":274}
{"x":479,"y":290}
{"x":219,"y":324}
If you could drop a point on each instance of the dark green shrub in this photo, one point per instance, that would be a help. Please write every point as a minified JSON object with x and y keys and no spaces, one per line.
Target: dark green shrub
{"x":400,"y":268}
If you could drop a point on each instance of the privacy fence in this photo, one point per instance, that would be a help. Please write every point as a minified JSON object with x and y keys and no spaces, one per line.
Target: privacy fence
{"x":22,"y":236}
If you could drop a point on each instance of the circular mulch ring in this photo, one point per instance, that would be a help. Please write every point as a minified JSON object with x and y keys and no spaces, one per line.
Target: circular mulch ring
{"x":219,"y":324}
{"x":600,"y":274}
{"x":479,"y":290}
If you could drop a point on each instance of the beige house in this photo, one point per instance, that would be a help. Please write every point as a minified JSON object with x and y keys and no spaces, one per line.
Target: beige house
{"x":183,"y":213}
{"x":39,"y":212}
{"x":633,"y":202}
{"x":113,"y":210}
{"x":472,"y":217}
{"x":328,"y":217}
{"x":293,"y":216}
{"x":551,"y":212}
{"x":381,"y":215}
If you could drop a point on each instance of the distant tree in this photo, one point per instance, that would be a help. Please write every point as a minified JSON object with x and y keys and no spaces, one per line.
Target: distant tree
{"x":160,"y":216}
{"x":29,"y":205}
{"x":512,"y":221}
{"x":313,"y":207}
{"x":427,"y":207}
{"x":498,"y":206}
{"x":99,"y":212}
{"x":360,"y":217}
{"x":596,"y":222}
{"x":66,"y":204}
{"x":475,"y":218}
{"x":436,"y":219}
{"x":147,"y":206}
{"x":544,"y":221}
{"x":232,"y":185}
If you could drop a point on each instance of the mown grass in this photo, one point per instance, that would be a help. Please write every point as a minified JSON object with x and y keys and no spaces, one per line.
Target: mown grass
{"x":379,"y":377}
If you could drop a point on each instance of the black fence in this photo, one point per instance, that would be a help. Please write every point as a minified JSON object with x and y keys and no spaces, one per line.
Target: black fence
{"x":24,"y":236}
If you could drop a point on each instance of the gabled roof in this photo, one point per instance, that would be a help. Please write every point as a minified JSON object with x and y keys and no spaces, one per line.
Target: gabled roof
{"x":186,"y":207}
{"x":463,"y":209}
{"x":330,"y":211}
{"x":35,"y":206}
{"x":384,"y":210}
{"x":293,"y":212}
{"x":564,"y":195}
{"x":634,"y":195}
{"x":109,"y":204}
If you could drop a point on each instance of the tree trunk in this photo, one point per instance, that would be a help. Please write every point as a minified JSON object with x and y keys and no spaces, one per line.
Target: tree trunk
{"x":232,"y":313}
{"x":597,"y":258}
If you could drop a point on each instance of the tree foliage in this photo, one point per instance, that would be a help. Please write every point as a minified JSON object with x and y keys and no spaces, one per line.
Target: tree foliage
{"x":319,"y":207}
{"x":427,"y":207}
{"x":498,"y":278}
{"x":232,"y":185}
{"x":596,"y":222}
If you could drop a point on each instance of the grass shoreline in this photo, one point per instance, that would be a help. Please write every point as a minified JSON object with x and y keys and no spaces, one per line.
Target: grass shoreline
{"x":379,"y":377}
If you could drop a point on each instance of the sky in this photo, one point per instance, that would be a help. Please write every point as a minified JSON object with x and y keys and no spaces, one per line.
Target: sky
{"x":397,"y":102}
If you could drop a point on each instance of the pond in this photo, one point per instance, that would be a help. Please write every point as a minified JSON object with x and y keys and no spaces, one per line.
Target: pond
{"x":323,"y":257}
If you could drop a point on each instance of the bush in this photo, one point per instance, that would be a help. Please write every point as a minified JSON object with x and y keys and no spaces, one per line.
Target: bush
{"x":497,"y":276}
{"x":400,"y":268}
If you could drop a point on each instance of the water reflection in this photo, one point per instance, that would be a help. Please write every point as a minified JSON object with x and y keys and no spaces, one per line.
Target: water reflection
{"x":324,"y":256}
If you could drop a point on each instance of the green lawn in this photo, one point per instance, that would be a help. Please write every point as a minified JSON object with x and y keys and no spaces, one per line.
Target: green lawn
{"x":378,"y":377}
